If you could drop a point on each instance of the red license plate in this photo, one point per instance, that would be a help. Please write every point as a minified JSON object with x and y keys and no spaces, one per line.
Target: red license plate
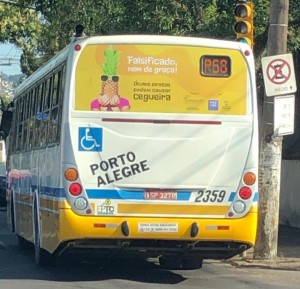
{"x":160,"y":195}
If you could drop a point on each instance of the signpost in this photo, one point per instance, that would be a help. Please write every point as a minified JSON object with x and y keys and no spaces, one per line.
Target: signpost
{"x":278,"y":120}
{"x":279,"y":80}
{"x":279,"y":76}
{"x":284,"y":113}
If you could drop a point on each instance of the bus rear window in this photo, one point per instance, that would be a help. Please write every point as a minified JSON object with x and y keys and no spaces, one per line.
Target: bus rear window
{"x":161,"y":79}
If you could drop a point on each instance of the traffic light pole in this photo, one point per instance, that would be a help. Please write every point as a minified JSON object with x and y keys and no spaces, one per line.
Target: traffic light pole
{"x":271,"y":146}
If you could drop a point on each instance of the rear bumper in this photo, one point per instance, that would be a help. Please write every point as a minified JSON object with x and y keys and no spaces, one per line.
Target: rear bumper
{"x":155,"y":248}
{"x":215,"y":239}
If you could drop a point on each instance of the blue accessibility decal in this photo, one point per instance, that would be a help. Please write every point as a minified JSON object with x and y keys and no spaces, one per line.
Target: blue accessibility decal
{"x":90,"y":139}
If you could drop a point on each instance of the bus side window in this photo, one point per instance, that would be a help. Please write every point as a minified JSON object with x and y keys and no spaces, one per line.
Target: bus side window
{"x":52,"y":129}
{"x":32,"y":119}
{"x":45,"y":112}
{"x":19,"y":125}
{"x":13,"y":137}
{"x":26,"y":121}
{"x":61,"y":93}
{"x":2,"y":152}
{"x":38,"y":114}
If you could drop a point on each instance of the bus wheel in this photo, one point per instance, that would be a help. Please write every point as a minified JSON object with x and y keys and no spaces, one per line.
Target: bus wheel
{"x":23,"y":244}
{"x":12,"y":216}
{"x":170,"y":262}
{"x":191,"y":263}
{"x":41,"y":256}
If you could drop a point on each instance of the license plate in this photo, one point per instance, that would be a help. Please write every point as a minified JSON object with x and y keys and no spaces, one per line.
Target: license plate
{"x":160,"y":195}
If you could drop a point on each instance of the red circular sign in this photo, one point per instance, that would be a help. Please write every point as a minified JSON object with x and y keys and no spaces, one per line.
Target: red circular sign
{"x":278,"y":71}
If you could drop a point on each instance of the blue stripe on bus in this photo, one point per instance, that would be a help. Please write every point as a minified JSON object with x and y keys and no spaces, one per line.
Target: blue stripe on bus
{"x":54,"y":192}
{"x":232,"y":196}
{"x":122,"y":194}
{"x":129,"y":195}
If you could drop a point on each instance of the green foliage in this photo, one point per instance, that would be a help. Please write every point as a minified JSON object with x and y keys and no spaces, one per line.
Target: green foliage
{"x":22,"y":27}
{"x":6,"y":100}
{"x":42,"y":32}
{"x":294,"y":26}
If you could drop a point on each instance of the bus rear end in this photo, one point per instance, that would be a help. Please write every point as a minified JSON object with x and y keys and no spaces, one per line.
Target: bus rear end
{"x":160,"y":148}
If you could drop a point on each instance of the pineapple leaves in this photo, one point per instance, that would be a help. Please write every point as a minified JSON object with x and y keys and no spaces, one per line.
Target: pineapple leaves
{"x":111,"y":61}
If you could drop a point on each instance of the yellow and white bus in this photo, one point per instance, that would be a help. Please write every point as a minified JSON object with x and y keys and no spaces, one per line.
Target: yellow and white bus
{"x":137,"y":144}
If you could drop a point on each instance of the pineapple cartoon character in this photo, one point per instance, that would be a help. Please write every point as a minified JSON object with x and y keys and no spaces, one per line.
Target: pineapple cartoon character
{"x":109,"y":98}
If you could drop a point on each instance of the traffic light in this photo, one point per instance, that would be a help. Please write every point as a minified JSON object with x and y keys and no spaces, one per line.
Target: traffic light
{"x":244,"y":22}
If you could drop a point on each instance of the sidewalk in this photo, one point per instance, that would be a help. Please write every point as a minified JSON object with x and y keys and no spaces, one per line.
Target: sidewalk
{"x":288,"y":252}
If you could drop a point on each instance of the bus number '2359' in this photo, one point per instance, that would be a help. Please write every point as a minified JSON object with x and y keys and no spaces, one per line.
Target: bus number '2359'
{"x":211,"y":196}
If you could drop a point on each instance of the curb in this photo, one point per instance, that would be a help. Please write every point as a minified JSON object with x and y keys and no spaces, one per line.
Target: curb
{"x":287,"y":264}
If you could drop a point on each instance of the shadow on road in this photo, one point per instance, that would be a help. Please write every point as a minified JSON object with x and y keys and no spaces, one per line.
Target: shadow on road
{"x":19,"y":264}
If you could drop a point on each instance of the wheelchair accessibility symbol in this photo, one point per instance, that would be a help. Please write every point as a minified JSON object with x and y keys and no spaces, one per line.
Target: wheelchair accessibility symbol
{"x":90,"y":139}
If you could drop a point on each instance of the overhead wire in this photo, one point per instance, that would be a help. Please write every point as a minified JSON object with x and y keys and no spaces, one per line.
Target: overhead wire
{"x":7,"y":59}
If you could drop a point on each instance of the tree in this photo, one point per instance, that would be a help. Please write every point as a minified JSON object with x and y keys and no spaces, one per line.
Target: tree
{"x":22,"y":27}
{"x":45,"y":31}
{"x":185,"y":17}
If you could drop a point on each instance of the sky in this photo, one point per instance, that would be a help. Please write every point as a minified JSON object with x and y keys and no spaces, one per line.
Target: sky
{"x":8,"y":51}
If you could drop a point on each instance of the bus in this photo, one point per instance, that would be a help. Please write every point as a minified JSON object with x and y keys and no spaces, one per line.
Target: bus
{"x":140,"y":145}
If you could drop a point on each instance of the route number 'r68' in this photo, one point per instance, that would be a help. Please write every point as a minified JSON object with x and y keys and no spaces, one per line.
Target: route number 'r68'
{"x":210,"y":196}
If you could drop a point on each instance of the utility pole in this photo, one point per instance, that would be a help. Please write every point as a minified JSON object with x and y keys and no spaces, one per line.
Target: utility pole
{"x":271,"y":146}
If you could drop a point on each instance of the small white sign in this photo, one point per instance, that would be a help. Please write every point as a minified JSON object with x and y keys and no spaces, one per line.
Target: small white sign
{"x":279,"y":74}
{"x":284,"y":114}
{"x":158,"y":227}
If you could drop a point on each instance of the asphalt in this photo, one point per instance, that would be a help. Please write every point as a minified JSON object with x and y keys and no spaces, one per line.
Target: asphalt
{"x":288,"y":253}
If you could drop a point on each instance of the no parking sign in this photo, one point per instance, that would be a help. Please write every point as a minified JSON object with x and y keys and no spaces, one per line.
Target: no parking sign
{"x":279,"y":74}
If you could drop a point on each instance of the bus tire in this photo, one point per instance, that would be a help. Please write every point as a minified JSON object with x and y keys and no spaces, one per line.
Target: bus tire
{"x":41,"y":256}
{"x":12,"y":215}
{"x":191,"y":263}
{"x":23,"y":244}
{"x":170,"y":262}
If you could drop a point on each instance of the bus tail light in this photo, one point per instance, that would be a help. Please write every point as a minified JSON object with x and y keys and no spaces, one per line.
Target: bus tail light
{"x":81,"y":203}
{"x":77,"y":47}
{"x":245,"y":193}
{"x":249,"y":179}
{"x":75,"y":189}
{"x":71,"y":175}
{"x":239,"y":207}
